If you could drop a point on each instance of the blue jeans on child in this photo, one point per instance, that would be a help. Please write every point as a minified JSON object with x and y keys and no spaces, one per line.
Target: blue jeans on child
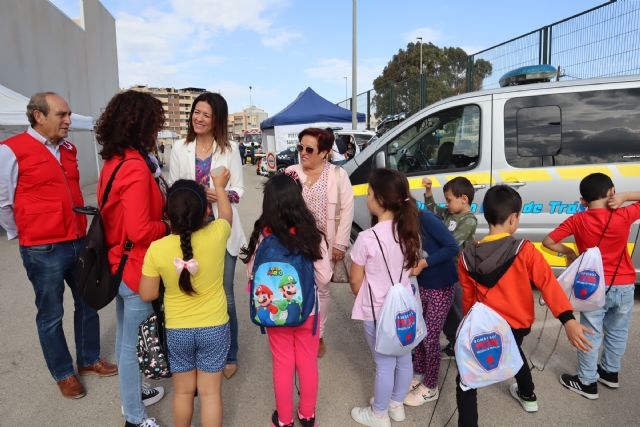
{"x":227,"y":282}
{"x":393,"y":374}
{"x":130,"y":312}
{"x":612,"y":321}
{"x":48,"y":266}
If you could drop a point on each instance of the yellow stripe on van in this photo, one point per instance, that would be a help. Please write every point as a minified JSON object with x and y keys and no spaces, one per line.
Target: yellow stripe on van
{"x":525,"y":175}
{"x":582,"y":171}
{"x":561,"y":261}
{"x":629,"y":170}
{"x":475,"y":178}
{"x":360,"y":189}
{"x":414,"y":184}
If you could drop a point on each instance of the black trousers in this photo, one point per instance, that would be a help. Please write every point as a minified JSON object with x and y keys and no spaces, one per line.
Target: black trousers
{"x":468,"y":400}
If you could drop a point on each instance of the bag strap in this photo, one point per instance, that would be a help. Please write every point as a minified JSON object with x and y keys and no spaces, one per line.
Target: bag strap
{"x":385,"y":260}
{"x":107,"y":189}
{"x":605,"y":229}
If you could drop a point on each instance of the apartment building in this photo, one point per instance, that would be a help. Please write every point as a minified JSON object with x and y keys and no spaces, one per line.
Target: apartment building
{"x":176,"y":104}
{"x":249,"y":118}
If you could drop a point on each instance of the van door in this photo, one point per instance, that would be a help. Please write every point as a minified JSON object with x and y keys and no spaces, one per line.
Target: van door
{"x":544,"y":144}
{"x":453,"y":139}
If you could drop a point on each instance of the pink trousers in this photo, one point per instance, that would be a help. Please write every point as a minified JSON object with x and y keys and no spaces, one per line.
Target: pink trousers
{"x":295,"y":349}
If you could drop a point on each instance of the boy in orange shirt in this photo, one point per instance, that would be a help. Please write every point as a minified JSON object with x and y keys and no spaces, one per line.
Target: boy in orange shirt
{"x":499,"y":270}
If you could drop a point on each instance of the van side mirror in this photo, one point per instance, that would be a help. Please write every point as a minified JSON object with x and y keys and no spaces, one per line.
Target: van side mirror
{"x":380,"y":160}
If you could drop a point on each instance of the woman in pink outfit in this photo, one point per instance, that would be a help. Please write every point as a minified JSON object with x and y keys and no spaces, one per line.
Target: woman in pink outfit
{"x":327,"y":192}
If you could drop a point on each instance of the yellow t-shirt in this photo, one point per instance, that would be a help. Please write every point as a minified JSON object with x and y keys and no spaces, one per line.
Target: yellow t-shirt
{"x":208,"y":306}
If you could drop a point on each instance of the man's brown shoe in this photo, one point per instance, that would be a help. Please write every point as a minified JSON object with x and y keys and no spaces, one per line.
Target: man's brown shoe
{"x":100,"y":368}
{"x":71,"y":388}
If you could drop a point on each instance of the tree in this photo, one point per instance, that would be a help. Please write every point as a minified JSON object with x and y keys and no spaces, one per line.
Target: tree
{"x":445,"y":74}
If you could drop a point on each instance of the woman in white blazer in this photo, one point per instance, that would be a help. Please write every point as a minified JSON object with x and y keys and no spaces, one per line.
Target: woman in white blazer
{"x":207,"y":147}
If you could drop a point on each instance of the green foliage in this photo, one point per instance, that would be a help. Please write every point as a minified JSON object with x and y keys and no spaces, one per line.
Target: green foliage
{"x":445,"y":74}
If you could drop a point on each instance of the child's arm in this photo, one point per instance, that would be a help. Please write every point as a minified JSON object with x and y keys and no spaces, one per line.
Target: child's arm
{"x":448,"y":247}
{"x":356,"y":277}
{"x":465,"y":230}
{"x":552,"y":241}
{"x":429,"y":201}
{"x":422,"y":264}
{"x":149,"y":288}
{"x":619,"y":199}
{"x":224,"y":206}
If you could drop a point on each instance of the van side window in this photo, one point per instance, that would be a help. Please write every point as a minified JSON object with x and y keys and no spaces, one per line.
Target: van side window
{"x":446,"y":140}
{"x":577,"y":128}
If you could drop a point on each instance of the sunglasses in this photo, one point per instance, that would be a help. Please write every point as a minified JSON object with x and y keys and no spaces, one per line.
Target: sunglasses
{"x":308,"y":150}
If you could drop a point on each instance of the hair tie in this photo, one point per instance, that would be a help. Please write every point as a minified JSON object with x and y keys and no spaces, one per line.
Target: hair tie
{"x":191,"y":265}
{"x":407,"y":199}
{"x":203,"y":201}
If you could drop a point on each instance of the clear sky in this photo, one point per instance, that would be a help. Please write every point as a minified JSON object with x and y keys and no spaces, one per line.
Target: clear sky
{"x":280,"y":47}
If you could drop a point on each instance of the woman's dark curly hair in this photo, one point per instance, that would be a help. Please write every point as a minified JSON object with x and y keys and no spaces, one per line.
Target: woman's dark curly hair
{"x":131,"y":120}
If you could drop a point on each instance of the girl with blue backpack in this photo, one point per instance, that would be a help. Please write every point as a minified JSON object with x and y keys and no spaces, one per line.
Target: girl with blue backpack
{"x":190,"y":263}
{"x":286,"y":261}
{"x":391,"y":247}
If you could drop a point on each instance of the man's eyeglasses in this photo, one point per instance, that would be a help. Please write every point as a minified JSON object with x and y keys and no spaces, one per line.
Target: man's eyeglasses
{"x":307,"y":149}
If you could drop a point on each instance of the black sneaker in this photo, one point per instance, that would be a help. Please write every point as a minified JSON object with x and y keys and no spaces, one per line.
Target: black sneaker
{"x":448,"y":352}
{"x":590,"y":391}
{"x":275,"y":422}
{"x":149,"y":422}
{"x":307,"y":422}
{"x":610,"y":379}
{"x":151,"y":395}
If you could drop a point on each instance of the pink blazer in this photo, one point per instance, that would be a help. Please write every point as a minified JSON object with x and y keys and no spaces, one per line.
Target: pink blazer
{"x":338,"y":184}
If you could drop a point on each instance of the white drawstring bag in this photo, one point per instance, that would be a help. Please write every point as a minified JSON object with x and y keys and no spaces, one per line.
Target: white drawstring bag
{"x":401,"y":326}
{"x":486,"y":350}
{"x":583,"y":281}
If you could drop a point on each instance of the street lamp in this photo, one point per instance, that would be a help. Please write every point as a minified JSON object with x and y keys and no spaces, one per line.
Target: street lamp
{"x":250,"y":101}
{"x":420,"y":38}
{"x":346,"y":94}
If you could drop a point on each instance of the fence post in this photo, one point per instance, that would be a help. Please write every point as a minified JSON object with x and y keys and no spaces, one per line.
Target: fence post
{"x":369,"y":109}
{"x":545,"y":45}
{"x":470,"y":63}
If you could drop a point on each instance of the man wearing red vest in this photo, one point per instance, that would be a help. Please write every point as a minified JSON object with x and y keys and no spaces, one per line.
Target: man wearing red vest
{"x":39,"y":187}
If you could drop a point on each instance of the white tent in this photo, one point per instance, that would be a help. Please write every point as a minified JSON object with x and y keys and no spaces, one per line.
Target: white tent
{"x":13,"y":118}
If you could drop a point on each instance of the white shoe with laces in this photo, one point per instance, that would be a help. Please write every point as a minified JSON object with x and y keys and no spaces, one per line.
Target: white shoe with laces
{"x":421,"y":395}
{"x":367,"y":417}
{"x":151,"y":395}
{"x":396,"y":413}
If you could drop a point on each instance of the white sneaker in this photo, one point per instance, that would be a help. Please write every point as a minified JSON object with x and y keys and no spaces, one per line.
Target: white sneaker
{"x":396,"y":413}
{"x":414,"y":384}
{"x":529,"y":405}
{"x":149,"y":422}
{"x":365,"y":416}
{"x":421,"y":395}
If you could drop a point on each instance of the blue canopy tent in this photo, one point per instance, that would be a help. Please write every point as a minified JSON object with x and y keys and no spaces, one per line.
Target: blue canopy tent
{"x":308,"y":110}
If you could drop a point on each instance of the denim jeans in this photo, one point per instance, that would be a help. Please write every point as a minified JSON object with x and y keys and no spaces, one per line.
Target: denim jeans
{"x":229,"y":273}
{"x":48,"y":267}
{"x":130,"y":312}
{"x":612,"y":321}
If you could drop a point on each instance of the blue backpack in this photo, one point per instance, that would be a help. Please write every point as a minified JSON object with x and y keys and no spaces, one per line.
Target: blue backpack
{"x":282,"y":286}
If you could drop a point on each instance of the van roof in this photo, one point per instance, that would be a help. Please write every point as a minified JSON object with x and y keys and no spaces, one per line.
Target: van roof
{"x":539,"y":86}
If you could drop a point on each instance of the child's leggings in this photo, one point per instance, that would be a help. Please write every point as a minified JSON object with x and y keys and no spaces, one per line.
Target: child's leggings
{"x":426,"y":356}
{"x":393,"y":374}
{"x":295,"y":349}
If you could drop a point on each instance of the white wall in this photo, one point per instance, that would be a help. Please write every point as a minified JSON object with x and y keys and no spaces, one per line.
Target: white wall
{"x":42,"y":49}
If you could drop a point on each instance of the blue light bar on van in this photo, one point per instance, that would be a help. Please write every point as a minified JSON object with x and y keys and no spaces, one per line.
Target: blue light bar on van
{"x":528,"y":74}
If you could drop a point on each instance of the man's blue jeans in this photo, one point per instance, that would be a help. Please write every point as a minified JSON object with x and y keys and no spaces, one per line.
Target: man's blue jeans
{"x":130,"y":312}
{"x":612,"y":321}
{"x":48,"y":267}
{"x":229,"y":273}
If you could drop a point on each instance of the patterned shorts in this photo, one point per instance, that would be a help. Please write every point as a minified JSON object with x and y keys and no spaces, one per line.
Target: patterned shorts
{"x":204,"y":349}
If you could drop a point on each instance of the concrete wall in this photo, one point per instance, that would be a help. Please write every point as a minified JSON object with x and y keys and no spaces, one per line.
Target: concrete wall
{"x":42,"y":49}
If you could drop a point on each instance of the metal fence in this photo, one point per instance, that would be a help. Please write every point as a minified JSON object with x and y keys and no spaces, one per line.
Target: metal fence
{"x":600,"y":42}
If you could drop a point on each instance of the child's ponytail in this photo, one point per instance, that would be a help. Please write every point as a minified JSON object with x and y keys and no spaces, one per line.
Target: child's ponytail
{"x":391,"y":190}
{"x":186,"y":209}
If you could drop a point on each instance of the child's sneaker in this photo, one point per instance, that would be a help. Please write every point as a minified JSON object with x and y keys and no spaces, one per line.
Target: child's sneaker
{"x":421,"y":395}
{"x":572,"y":382}
{"x":367,"y":417}
{"x":448,"y":352}
{"x":275,"y":422}
{"x":149,"y":422}
{"x":396,"y":412}
{"x":529,"y":404}
{"x":307,"y":422}
{"x":610,"y":379}
{"x":414,"y":384}
{"x":151,"y":395}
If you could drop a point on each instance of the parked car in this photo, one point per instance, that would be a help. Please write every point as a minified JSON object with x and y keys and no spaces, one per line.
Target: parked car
{"x":362,"y":137}
{"x":286,"y":158}
{"x":389,"y":122}
{"x":541,"y":139}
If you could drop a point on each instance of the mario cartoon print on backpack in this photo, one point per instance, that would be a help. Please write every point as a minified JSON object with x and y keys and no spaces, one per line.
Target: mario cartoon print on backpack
{"x":283,"y":289}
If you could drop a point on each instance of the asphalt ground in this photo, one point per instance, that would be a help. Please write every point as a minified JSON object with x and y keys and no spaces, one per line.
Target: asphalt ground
{"x":29,"y":396}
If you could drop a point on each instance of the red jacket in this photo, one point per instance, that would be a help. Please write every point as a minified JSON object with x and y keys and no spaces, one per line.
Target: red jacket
{"x":46,"y":192}
{"x":133,"y":211}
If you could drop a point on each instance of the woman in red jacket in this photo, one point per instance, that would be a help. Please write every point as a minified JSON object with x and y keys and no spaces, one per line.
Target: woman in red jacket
{"x":132,"y":214}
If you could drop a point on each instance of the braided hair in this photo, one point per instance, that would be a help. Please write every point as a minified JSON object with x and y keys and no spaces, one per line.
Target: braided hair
{"x":186,"y":208}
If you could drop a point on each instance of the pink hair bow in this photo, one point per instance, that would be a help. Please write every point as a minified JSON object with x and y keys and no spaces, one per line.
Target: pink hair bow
{"x":191,"y":265}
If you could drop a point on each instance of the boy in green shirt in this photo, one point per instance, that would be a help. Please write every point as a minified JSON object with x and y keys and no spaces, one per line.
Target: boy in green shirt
{"x":462,"y":223}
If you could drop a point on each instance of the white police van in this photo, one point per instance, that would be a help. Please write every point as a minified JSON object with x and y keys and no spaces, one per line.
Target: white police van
{"x":540,"y":139}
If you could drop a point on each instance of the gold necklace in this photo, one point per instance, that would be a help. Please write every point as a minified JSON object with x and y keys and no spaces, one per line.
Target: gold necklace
{"x":202,"y":152}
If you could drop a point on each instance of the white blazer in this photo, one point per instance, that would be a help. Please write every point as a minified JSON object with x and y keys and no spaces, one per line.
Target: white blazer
{"x":183,"y":166}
